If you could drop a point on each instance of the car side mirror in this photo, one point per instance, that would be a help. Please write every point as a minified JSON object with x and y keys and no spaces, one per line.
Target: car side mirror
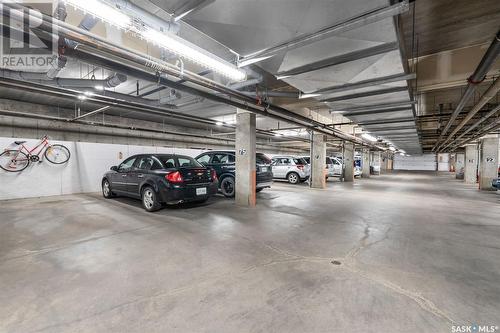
{"x":114,"y":168}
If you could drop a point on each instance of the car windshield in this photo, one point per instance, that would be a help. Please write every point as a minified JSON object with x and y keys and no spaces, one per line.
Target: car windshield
{"x":262,"y":159}
{"x":299,"y":161}
{"x":180,"y":161}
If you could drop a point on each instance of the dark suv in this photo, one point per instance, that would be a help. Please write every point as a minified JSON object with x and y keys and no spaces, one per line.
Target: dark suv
{"x":223,"y":162}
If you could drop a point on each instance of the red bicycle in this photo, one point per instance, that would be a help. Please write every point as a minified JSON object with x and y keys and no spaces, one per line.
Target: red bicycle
{"x":16,"y":160}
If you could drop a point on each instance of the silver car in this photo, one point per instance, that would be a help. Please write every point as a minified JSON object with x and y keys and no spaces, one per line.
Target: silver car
{"x":333,"y":166}
{"x":292,"y":168}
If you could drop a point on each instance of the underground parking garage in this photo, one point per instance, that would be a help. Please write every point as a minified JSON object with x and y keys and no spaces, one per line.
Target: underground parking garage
{"x":246,"y":166}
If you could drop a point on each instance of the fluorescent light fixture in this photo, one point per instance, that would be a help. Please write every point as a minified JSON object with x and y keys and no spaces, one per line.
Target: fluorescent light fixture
{"x":368,"y":137}
{"x":102,"y":11}
{"x":282,"y":77}
{"x":99,"y":87}
{"x":278,"y":134}
{"x":392,"y":148}
{"x":181,"y":48}
{"x":165,"y":40}
{"x":82,"y":97}
{"x":219,"y":123}
{"x":88,"y":93}
{"x":244,"y":62}
{"x":308,"y":95}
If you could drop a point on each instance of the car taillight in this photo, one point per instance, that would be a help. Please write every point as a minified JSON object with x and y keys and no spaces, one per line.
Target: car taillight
{"x":174,"y":177}
{"x":300,"y":166}
{"x":214,"y":175}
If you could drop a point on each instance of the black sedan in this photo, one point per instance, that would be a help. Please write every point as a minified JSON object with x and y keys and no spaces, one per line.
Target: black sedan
{"x":159,"y":179}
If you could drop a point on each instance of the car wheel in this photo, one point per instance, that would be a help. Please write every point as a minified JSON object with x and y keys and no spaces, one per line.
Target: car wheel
{"x":150,"y":200}
{"x":106,"y":190}
{"x":227,"y":187}
{"x":293,"y":178}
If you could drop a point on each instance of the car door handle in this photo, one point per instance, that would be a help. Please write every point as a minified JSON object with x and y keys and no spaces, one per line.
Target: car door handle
{"x":140,"y":175}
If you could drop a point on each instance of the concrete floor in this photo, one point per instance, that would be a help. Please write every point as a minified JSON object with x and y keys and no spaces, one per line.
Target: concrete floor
{"x":417,"y":253}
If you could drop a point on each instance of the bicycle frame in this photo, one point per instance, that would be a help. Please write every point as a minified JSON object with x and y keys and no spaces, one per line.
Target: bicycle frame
{"x":42,"y":144}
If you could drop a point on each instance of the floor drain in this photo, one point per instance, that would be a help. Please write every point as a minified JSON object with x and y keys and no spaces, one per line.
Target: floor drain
{"x":336,"y":262}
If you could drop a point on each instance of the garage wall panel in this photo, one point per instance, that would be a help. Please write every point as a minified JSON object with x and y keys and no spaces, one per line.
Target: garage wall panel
{"x":425,"y":162}
{"x":83,"y":172}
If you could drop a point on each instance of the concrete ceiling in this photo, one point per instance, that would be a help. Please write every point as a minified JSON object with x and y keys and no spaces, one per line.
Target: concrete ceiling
{"x":245,"y":26}
{"x":443,"y":25}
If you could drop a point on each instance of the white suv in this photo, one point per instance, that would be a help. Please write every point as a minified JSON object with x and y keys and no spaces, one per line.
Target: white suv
{"x":292,"y":168}
{"x":333,"y":166}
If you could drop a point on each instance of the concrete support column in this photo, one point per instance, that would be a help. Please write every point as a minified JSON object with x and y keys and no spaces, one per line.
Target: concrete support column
{"x":459,"y":163}
{"x":488,"y":169}
{"x":245,"y":159}
{"x":318,"y":160}
{"x":348,"y":161}
{"x":453,"y":162}
{"x":471,"y":158}
{"x":376,"y":159}
{"x":383,"y":163}
{"x":366,"y":163}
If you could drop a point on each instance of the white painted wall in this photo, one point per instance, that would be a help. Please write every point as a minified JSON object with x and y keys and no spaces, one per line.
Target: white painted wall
{"x":83,"y":172}
{"x":425,"y":162}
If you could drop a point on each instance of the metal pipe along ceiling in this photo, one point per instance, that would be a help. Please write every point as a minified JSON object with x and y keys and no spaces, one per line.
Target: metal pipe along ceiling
{"x":476,"y":78}
{"x":142,"y":65}
{"x":490,"y":127}
{"x":111,"y":81}
{"x":489,"y":94}
{"x":490,"y":114}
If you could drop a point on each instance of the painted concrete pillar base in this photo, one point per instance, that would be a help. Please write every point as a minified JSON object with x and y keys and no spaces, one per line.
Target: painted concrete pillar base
{"x":348,"y":162}
{"x":471,"y":163}
{"x":245,"y":159}
{"x":318,"y":161}
{"x":489,"y":163}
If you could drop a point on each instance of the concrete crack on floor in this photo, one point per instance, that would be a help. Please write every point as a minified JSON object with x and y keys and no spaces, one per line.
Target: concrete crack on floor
{"x":350,"y":264}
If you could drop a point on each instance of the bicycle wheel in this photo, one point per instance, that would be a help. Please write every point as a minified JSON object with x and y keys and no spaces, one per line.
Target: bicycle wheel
{"x":57,"y":154}
{"x":14,"y":160}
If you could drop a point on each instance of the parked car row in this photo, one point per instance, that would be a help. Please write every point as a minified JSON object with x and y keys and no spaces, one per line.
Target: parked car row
{"x":162,"y":179}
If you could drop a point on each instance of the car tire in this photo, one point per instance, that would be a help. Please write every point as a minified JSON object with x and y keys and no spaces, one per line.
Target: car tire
{"x":227,"y":187}
{"x":106,"y":190}
{"x":149,"y":199}
{"x":293,"y":178}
